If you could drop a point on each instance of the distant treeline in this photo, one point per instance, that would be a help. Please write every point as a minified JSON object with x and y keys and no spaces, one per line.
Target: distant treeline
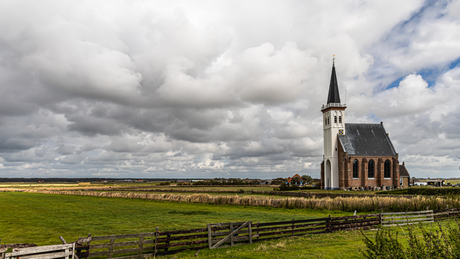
{"x":74,"y":180}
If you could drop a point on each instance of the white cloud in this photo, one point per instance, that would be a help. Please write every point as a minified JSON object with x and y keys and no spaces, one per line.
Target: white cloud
{"x":220,"y":88}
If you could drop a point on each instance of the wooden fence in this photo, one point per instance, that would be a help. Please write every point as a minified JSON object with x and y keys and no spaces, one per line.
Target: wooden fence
{"x":446,"y":214}
{"x":415,"y":217}
{"x":237,"y":232}
{"x":217,"y":235}
{"x":147,"y":244}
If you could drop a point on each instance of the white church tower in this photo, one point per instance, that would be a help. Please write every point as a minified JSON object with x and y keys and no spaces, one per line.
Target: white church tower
{"x":333,"y":124}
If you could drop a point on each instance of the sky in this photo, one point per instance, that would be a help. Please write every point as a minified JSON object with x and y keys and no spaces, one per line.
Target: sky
{"x":205,"y":89}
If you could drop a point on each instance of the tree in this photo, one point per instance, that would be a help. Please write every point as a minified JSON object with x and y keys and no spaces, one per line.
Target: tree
{"x":307,"y":179}
{"x":296,"y":180}
{"x":278,"y":181}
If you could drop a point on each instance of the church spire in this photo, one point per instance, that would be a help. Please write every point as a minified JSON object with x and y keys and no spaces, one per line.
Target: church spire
{"x":333,"y":96}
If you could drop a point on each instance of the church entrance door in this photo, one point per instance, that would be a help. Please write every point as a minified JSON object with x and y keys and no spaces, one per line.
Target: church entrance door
{"x":328,"y":175}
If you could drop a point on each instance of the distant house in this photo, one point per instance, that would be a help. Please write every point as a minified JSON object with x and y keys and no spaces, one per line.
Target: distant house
{"x":289,"y":180}
{"x":436,"y":183}
{"x":420,"y":183}
{"x":265,"y":182}
{"x":404,"y":176}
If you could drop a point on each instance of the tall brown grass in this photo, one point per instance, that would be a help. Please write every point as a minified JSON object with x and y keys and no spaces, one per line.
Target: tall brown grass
{"x":361,"y":204}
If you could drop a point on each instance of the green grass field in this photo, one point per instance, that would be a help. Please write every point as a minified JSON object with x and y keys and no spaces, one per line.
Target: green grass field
{"x":42,"y":218}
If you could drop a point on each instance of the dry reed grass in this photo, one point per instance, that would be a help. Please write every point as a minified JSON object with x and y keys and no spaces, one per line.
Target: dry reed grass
{"x":361,"y":204}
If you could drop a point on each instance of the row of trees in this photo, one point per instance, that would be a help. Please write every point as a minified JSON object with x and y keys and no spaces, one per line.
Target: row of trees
{"x":296,"y":181}
{"x":304,"y":180}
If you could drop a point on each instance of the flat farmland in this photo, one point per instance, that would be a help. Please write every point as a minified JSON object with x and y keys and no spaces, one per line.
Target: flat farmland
{"x":220,"y":188}
{"x":42,"y":218}
{"x":232,"y":189}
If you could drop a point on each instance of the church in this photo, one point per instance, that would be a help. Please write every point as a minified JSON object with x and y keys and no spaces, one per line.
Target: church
{"x":356,"y":155}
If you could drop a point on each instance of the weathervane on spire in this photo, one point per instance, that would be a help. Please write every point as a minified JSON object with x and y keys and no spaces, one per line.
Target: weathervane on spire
{"x":333,"y":59}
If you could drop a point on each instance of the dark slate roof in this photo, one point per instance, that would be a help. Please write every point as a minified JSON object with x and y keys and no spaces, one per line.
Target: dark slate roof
{"x":403,"y":171}
{"x":333,"y":96}
{"x":366,"y":140}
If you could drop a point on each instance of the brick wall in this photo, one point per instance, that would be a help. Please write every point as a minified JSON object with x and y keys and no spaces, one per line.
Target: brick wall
{"x":346,"y":179}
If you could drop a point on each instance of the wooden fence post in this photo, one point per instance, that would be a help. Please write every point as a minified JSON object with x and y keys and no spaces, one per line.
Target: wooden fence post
{"x":231,"y":234}
{"x":257,"y":230}
{"x":250,"y":232}
{"x":328,"y":224}
{"x":168,"y":236}
{"x":141,"y":245}
{"x":112,"y":241}
{"x":292,"y":226}
{"x":89,"y":245}
{"x":156,"y":241}
{"x":209,"y":236}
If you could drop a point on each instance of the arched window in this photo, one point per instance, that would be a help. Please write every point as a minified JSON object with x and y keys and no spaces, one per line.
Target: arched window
{"x":340,"y":119}
{"x":325,"y":121}
{"x":335,"y":119}
{"x":387,"y":169}
{"x":370,"y":169}
{"x":355,"y":169}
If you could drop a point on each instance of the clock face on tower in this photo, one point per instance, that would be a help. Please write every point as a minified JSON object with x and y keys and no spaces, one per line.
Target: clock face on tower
{"x":341,"y":131}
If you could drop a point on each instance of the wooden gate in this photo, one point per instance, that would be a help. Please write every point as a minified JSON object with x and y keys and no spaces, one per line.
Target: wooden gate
{"x":45,"y":252}
{"x":233,"y":233}
{"x":405,"y":218}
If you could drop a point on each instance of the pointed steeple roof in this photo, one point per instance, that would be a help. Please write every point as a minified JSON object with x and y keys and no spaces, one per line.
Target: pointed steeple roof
{"x":333,"y":96}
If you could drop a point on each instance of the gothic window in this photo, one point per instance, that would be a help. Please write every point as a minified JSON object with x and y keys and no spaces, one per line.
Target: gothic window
{"x":387,"y":169}
{"x":355,"y":169}
{"x":370,"y":169}
{"x":327,"y":120}
{"x":340,"y":119}
{"x":335,"y":119}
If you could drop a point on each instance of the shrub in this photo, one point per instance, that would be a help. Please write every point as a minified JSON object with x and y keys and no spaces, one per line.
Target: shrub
{"x":424,"y":191}
{"x":285,"y":187}
{"x":442,"y":243}
{"x":386,"y":245}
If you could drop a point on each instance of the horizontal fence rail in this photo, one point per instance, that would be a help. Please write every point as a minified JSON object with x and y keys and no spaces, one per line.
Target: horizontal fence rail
{"x":355,"y":222}
{"x":275,"y":230}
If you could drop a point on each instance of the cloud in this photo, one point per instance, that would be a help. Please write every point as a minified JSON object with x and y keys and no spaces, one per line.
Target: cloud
{"x":220,"y":89}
